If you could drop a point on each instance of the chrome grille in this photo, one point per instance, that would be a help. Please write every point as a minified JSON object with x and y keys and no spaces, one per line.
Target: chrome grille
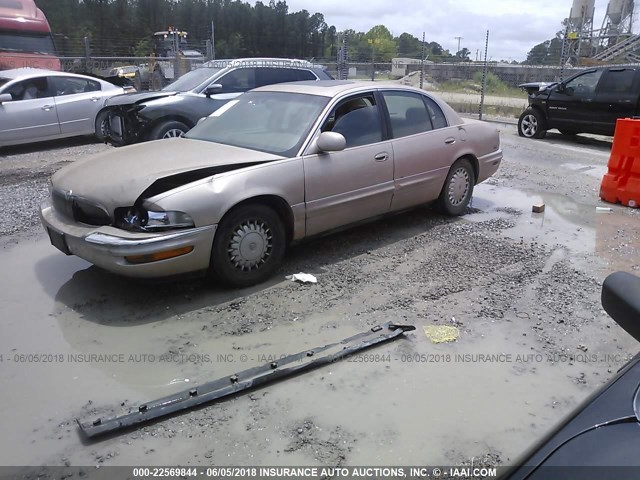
{"x":79,"y":209}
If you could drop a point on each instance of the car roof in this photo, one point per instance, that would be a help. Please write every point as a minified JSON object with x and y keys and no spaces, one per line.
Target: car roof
{"x":331,"y":88}
{"x":24,"y":73}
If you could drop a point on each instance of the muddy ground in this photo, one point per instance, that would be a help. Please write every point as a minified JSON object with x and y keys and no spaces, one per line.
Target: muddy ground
{"x":522,"y":287}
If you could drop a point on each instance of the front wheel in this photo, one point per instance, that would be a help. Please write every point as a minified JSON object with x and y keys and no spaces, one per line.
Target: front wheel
{"x":458,"y":188}
{"x":169,"y":129}
{"x":102,"y":125}
{"x":531,"y":124}
{"x":249,"y":246}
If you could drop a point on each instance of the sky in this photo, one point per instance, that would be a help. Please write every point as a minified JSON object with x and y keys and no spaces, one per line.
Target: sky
{"x":514,"y":26}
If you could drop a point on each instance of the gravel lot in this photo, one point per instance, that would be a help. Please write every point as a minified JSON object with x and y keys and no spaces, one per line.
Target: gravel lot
{"x":519,"y":284}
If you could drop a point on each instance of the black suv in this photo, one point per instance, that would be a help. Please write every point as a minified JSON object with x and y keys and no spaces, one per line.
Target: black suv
{"x":174,"y":110}
{"x":588,"y":102}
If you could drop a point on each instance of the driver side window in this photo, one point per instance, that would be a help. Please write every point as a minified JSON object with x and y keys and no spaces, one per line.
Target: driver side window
{"x":238,"y":81}
{"x":357,"y":119}
{"x":29,"y":89}
{"x":584,"y":85}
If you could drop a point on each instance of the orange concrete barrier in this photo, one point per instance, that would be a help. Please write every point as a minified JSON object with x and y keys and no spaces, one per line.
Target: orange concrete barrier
{"x":621,"y":184}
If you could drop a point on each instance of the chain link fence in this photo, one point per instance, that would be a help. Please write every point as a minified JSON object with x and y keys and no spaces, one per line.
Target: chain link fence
{"x":482,"y":88}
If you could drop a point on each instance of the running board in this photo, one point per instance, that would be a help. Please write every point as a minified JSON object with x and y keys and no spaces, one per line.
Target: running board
{"x":246,"y":379}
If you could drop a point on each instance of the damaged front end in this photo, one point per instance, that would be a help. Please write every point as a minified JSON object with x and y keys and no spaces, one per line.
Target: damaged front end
{"x":125,"y":125}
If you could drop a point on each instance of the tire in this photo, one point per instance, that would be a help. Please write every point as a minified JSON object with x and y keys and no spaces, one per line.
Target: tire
{"x":168,"y":129}
{"x":102,"y":125}
{"x":248,"y":247}
{"x":457,"y":189}
{"x":531,"y":124}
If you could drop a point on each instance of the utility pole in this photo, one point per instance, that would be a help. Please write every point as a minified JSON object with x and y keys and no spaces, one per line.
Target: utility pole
{"x":213,"y":41}
{"x":458,"y":38}
{"x":422,"y":63}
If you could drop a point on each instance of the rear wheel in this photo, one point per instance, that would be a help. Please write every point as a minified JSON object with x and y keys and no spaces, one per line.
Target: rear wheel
{"x":531,"y":124}
{"x":168,"y":129}
{"x":458,"y":188}
{"x":249,"y":246}
{"x":102,"y":125}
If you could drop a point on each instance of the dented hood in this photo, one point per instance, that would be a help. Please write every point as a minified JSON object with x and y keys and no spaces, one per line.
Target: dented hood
{"x":117,"y":178}
{"x":133,"y":98}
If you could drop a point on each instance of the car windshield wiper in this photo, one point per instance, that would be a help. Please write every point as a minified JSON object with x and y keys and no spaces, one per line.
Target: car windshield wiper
{"x":247,"y":379}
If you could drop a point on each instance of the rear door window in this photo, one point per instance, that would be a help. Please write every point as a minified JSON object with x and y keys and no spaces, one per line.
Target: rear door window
{"x":408,"y":113}
{"x":269,"y":75}
{"x":70,"y":85}
{"x":617,"y":81}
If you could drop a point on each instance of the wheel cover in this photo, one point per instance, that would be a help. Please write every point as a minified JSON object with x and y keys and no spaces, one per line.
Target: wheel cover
{"x":104,"y":127}
{"x":250,"y":245}
{"x":458,"y":186}
{"x":529,"y":125}
{"x":173,"y":133}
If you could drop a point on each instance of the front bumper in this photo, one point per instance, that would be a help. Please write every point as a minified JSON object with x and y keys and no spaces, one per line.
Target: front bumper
{"x":108,"y":246}
{"x":125,"y":127}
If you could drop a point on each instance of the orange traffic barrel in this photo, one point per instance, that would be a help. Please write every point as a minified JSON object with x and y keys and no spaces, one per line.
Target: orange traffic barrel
{"x":621,"y":184}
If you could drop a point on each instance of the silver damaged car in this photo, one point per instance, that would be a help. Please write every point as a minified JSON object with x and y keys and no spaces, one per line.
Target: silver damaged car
{"x":38,"y":105}
{"x":271,"y":167}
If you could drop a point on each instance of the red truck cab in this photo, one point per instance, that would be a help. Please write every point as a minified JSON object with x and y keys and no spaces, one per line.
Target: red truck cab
{"x":25,"y":37}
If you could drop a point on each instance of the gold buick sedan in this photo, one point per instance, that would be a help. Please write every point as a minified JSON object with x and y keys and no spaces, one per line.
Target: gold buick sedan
{"x":274,"y":166}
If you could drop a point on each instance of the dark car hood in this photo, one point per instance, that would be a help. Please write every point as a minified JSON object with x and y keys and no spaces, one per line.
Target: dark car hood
{"x":117,"y":178}
{"x":133,"y":98}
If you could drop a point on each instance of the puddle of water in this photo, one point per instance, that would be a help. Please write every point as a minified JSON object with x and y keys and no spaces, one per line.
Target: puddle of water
{"x":613,"y":236}
{"x":596,"y":171}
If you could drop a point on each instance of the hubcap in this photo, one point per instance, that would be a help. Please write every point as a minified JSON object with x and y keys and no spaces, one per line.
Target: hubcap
{"x":459,"y":186}
{"x":173,"y":133}
{"x":250,"y":245}
{"x":529,"y":125}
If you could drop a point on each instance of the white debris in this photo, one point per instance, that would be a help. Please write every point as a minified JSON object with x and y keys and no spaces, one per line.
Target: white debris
{"x":604,"y":209}
{"x":302,"y":277}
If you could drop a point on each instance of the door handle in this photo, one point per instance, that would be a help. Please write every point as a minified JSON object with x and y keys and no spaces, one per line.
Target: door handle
{"x":450,"y":141}
{"x":46,"y":108}
{"x":95,"y":99}
{"x":381,"y":157}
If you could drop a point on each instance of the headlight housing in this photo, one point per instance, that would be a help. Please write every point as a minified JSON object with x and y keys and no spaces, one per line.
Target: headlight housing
{"x":140,"y":219}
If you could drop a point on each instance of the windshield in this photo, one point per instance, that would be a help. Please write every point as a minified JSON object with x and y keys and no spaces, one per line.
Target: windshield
{"x":3,"y":82}
{"x":272,"y":122}
{"x":191,"y":80}
{"x":27,"y":43}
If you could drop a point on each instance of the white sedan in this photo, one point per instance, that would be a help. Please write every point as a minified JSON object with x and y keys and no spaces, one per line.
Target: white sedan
{"x":38,"y":105}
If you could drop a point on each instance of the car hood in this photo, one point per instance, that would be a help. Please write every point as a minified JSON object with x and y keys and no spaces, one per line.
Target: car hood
{"x":534,"y":87}
{"x":133,"y":98}
{"x":118,"y":177}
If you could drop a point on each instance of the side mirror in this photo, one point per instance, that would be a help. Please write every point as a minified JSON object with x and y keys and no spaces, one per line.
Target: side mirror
{"x":621,"y":300}
{"x":212,"y":89}
{"x":5,"y":97}
{"x":331,"y":142}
